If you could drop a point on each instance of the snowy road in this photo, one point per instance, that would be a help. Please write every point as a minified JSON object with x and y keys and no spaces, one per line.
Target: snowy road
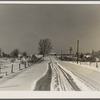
{"x":25,"y":80}
{"x":89,"y":76}
{"x":63,"y":81}
{"x":52,"y":75}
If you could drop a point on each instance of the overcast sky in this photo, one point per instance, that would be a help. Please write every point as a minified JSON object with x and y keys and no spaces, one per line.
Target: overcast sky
{"x":22,"y":26}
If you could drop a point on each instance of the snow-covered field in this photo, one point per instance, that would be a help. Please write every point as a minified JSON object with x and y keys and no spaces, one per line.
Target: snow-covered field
{"x":6,"y":66}
{"x":23,"y":80}
{"x":94,"y":65}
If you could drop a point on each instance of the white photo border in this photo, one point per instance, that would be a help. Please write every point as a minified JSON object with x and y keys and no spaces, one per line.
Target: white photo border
{"x":47,"y":94}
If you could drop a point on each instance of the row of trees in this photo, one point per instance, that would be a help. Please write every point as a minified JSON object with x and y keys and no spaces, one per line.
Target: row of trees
{"x":45,"y":47}
{"x":85,"y":57}
{"x":94,"y":55}
{"x":15,"y":53}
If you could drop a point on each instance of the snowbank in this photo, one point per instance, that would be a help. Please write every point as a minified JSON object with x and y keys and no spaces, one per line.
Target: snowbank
{"x":33,"y":85}
{"x":87,"y":65}
{"x":80,"y":83}
{"x":58,"y":82}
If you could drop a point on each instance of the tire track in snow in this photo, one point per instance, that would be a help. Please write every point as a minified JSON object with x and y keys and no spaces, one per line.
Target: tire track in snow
{"x":70,"y":80}
{"x":63,"y":81}
{"x":59,"y":85}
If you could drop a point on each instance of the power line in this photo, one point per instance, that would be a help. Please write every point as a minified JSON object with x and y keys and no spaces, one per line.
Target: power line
{"x":77,"y":51}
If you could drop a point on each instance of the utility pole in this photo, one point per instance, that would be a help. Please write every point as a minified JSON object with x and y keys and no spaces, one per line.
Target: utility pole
{"x":61,"y":54}
{"x":77,"y":50}
{"x":0,"y":70}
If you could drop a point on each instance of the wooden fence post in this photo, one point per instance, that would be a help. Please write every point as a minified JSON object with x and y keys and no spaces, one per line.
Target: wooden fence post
{"x":0,"y":69}
{"x":96,"y":64}
{"x":6,"y":73}
{"x":12,"y":69}
{"x":19,"y":66}
{"x":25,"y":65}
{"x":28,"y":64}
{"x":90,"y":63}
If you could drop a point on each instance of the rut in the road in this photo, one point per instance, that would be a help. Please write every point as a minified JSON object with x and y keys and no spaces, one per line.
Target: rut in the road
{"x":69,"y":79}
{"x":44,"y":83}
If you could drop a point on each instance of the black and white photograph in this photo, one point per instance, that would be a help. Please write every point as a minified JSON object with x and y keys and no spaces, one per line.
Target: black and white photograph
{"x":49,"y":47}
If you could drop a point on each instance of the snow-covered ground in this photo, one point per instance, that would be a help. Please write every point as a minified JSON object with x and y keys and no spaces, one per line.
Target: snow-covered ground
{"x":62,"y":79}
{"x":6,"y":66}
{"x":80,"y":83}
{"x":24,"y":80}
{"x":86,"y":72}
{"x":60,"y":83}
{"x":94,"y":66}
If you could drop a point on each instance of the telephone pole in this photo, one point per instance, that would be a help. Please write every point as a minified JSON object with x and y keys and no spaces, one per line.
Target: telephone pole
{"x":77,"y":50}
{"x":61,"y":54}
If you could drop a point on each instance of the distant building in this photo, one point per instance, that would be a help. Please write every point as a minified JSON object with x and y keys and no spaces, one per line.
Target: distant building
{"x":97,"y":59}
{"x":68,"y":55}
{"x":87,"y":56}
{"x":39,"y":56}
{"x":53,"y":54}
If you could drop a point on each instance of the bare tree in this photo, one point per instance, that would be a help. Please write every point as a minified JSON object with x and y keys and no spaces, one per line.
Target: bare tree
{"x":24,"y":54}
{"x":15,"y":53}
{"x":45,"y":46}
